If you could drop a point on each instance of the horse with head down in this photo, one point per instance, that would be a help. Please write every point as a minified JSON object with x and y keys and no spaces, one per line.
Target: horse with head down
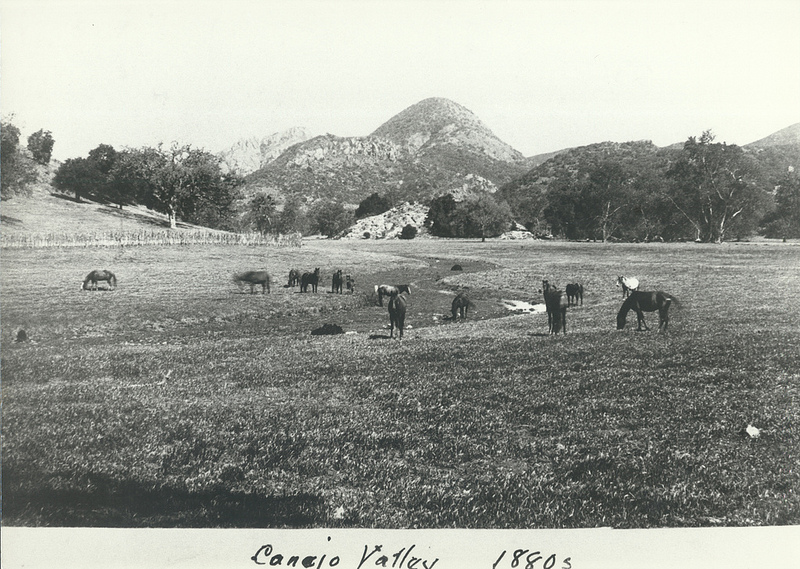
{"x":389,"y":290}
{"x":461,"y":305}
{"x":91,"y":280}
{"x":556,"y":304}
{"x":309,"y":279}
{"x":397,"y":314}
{"x":254,"y":278}
{"x":644,"y":301}
{"x":294,"y":278}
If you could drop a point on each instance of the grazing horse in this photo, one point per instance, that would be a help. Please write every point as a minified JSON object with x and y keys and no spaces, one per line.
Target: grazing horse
{"x":628,"y":285}
{"x":556,"y":304}
{"x":294,"y":278}
{"x":254,"y":278}
{"x":397,"y":314}
{"x":309,"y":279}
{"x":461,"y":305}
{"x":574,"y":293}
{"x":336,"y":282}
{"x":644,"y":301}
{"x":96,"y":276}
{"x":389,"y":290}
{"x":350,"y":284}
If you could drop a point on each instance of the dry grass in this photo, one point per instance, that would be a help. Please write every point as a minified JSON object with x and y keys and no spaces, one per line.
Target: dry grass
{"x":178,"y":401}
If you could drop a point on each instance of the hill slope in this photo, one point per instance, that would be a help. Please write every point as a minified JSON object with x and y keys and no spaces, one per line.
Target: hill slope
{"x":786,"y":136}
{"x":426,"y":148}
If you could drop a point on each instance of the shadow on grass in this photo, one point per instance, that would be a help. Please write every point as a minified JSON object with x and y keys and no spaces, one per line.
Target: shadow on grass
{"x":13,"y":221}
{"x":134,"y":216}
{"x":380,"y":337}
{"x":128,"y":504}
{"x":66,"y":197}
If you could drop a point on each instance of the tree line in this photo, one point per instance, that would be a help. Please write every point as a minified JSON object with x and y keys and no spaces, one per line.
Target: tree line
{"x":704,"y":191}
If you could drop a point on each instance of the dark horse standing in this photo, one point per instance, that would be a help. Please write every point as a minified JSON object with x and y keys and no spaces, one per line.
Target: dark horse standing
{"x":644,"y":301}
{"x":309,"y":279}
{"x":574,"y":293}
{"x":461,"y":305}
{"x":336,"y":282}
{"x":397,"y":314}
{"x":254,"y":278}
{"x":556,"y":304}
{"x":91,"y":280}
{"x":389,"y":290}
{"x":294,"y":277}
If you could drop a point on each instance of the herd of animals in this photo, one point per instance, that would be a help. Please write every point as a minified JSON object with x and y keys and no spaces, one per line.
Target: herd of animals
{"x":556,"y":301}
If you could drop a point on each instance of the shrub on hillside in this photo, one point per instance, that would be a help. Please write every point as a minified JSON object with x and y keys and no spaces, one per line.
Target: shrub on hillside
{"x":373,"y":205}
{"x":408,"y":232}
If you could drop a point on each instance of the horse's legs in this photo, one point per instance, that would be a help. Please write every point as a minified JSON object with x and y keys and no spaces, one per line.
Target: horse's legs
{"x":640,"y":318}
{"x":663,"y":314}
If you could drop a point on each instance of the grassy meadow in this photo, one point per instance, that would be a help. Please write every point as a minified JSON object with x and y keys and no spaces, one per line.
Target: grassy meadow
{"x":178,"y":400}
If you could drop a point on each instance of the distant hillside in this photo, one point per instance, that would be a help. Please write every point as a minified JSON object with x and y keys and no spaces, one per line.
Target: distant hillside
{"x":248,"y":155}
{"x":428,"y":147}
{"x":332,"y":167}
{"x":567,"y":164}
{"x":787,"y":136}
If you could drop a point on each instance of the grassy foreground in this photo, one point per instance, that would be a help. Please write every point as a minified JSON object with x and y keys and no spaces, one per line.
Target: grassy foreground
{"x":177,"y":401}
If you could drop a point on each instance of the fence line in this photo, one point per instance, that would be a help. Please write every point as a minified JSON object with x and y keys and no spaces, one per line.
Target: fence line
{"x":147,"y":237}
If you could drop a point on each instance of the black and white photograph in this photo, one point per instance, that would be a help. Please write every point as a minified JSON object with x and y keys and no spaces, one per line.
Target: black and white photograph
{"x":410,"y":284}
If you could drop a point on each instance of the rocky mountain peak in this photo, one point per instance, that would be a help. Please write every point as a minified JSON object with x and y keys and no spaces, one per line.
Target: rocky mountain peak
{"x":437,"y":122}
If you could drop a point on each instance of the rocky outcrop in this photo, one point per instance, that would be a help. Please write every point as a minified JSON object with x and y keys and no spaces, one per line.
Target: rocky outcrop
{"x":331,"y":148}
{"x":388,"y":225}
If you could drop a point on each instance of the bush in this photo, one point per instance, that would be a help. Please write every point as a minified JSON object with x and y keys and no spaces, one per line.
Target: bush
{"x":409,"y":232}
{"x":373,"y":205}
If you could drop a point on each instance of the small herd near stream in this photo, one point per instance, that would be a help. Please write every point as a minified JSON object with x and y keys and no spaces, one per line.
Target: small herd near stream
{"x":556,"y":301}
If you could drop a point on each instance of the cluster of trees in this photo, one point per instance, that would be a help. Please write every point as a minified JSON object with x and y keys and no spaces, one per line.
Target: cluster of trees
{"x":325,"y":217}
{"x":483,"y":217}
{"x":706,"y":191}
{"x":178,"y":181}
{"x":784,"y":221}
{"x":18,"y":164}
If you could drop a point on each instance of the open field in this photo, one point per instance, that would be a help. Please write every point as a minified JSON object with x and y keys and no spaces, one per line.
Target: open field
{"x":178,"y":401}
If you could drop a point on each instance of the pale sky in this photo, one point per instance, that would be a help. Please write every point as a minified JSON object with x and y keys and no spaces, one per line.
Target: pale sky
{"x":542,"y":75}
